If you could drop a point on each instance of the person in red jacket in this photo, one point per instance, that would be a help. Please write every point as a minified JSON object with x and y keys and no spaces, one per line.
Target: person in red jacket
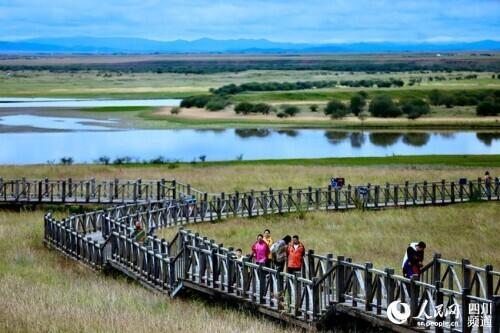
{"x":260,"y":250}
{"x":295,"y":254}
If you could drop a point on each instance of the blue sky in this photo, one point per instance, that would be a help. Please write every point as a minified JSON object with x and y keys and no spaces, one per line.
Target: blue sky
{"x":316,"y":21}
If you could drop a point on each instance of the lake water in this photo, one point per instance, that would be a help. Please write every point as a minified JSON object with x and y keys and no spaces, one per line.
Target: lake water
{"x":7,"y":102}
{"x":89,"y":139}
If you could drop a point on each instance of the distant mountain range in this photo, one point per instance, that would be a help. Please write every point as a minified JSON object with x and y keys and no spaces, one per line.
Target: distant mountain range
{"x":207,"y":45}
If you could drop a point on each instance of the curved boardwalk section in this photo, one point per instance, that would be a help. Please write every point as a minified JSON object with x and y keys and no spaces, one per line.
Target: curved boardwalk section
{"x":328,"y":286}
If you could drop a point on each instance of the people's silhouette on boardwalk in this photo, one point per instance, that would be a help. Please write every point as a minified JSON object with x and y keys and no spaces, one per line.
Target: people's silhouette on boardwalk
{"x":260,"y":250}
{"x":413,"y":259}
{"x":295,"y":252}
{"x":279,"y":252}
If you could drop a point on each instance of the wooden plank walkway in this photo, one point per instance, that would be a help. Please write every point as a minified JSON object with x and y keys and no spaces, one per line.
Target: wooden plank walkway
{"x":327,"y":286}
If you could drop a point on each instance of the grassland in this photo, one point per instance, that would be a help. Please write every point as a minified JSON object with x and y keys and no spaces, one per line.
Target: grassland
{"x":94,"y":84}
{"x":40,"y":290}
{"x":230,"y":176}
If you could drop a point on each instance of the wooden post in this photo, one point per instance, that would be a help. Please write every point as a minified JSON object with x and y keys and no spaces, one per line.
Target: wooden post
{"x":439,"y":301}
{"x":280,"y":202}
{"x":436,"y":267}
{"x":245,"y":277}
{"x":329,"y":195}
{"x":87,"y":191}
{"x":315,"y":298}
{"x":40,"y":191}
{"x":230,"y":270}
{"x":433,"y":199}
{"x":414,"y":296}
{"x":262,"y":284}
{"x":466,"y":274}
{"x":174,"y":189}
{"x":489,"y":281}
{"x":298,"y":295}
{"x":496,"y":314}
{"x":452,"y":192}
{"x":406,"y":192}
{"x":443,"y":190}
{"x":215,"y":268}
{"x":250,"y":203}
{"x":465,"y":310}
{"x":377,"y":196}
{"x":337,"y":198}
{"x":387,"y":193}
{"x":396,"y":195}
{"x":63,"y":194}
{"x":340,"y":279}
{"x":368,"y":286}
{"x":310,"y":264}
{"x":390,"y":285}
{"x":425,"y":190}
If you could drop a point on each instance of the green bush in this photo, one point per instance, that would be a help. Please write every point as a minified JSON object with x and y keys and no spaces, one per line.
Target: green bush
{"x":313,"y":108}
{"x":290,"y":110}
{"x":175,"y":110}
{"x":383,"y":106}
{"x":358,"y":102}
{"x":415,"y":108}
{"x":195,"y":101}
{"x":246,"y":108}
{"x":336,"y":109}
{"x":217,"y":103}
{"x":488,"y":107}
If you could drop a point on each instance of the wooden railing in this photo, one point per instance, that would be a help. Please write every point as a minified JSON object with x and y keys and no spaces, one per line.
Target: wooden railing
{"x":326,"y":284}
{"x":92,"y":191}
{"x":247,"y":203}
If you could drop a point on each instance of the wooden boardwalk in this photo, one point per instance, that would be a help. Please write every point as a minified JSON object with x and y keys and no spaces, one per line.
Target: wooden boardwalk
{"x":328,"y":285}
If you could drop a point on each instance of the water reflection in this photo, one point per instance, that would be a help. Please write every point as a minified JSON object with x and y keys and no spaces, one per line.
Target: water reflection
{"x":253,"y":144}
{"x":384,"y":139}
{"x":336,"y":137}
{"x":416,"y":139}
{"x":357,"y":139}
{"x":245,"y":133}
{"x":488,"y":138}
{"x":288,"y":132}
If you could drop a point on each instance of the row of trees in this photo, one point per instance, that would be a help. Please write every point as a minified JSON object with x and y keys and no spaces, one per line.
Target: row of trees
{"x":487,"y":103}
{"x":232,"y":88}
{"x":380,"y":106}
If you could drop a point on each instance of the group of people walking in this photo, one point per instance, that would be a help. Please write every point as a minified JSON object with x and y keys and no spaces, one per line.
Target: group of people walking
{"x":284,"y":253}
{"x":288,"y":253}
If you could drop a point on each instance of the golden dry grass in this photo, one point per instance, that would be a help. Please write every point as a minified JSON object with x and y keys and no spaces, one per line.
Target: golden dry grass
{"x":42,"y":291}
{"x":459,"y":231}
{"x":216,"y":178}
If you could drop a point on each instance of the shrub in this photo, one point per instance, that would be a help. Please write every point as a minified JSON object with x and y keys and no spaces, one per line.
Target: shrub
{"x":357,"y":104}
{"x":281,"y":114}
{"x":246,"y":108}
{"x":243,"y":107}
{"x":290,"y":110}
{"x":195,"y":101}
{"x":216,"y":103}
{"x":103,"y":160}
{"x":261,"y":108}
{"x":415,"y":108}
{"x":66,"y":160}
{"x":336,"y":109}
{"x":175,"y":110}
{"x":448,"y":100}
{"x":313,"y":108}
{"x":488,"y":107}
{"x":383,"y":106}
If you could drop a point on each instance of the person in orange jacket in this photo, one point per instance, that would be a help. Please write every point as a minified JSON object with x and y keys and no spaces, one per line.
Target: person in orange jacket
{"x":295,"y":253}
